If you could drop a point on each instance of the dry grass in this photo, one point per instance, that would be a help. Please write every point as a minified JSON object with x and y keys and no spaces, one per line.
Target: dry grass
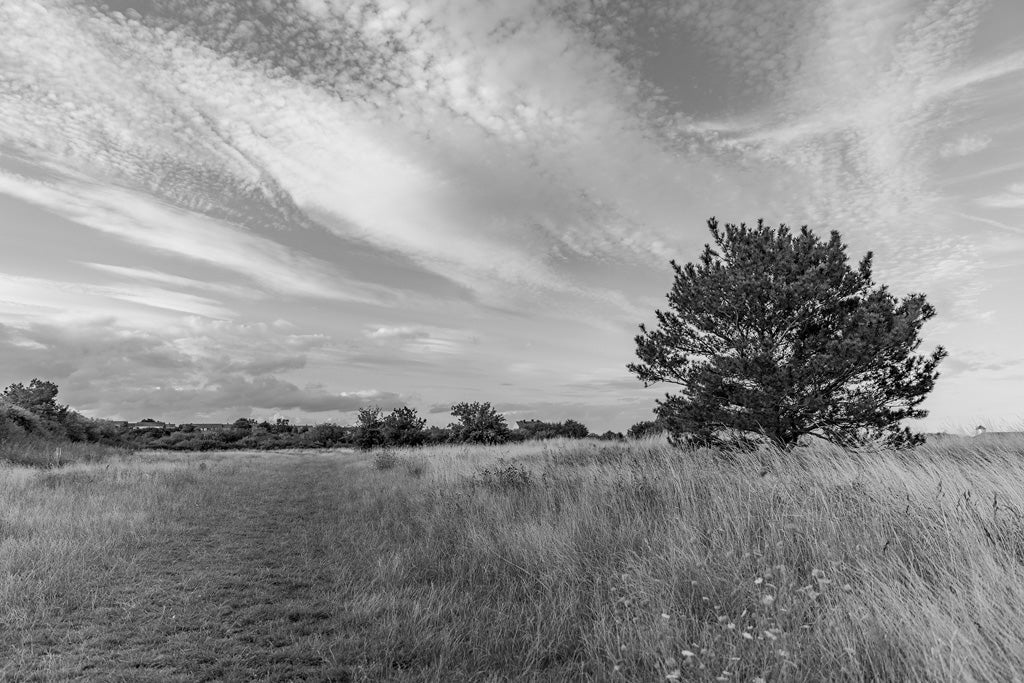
{"x":546,"y":561}
{"x":169,"y":568}
{"x":39,"y":452}
{"x":583,"y":561}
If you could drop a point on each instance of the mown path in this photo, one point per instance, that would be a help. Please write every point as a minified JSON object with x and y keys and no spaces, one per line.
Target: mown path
{"x":243,"y":584}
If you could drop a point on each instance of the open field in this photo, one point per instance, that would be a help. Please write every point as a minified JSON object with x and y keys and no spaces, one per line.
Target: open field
{"x":539,"y":561}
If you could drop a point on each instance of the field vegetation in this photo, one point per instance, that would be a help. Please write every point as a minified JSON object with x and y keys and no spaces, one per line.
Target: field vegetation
{"x":554,"y":560}
{"x":639,"y":562}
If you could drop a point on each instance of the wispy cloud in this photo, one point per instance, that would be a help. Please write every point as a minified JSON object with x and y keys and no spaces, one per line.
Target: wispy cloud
{"x":1012,"y":198}
{"x":149,"y":223}
{"x":32,"y":298}
{"x":962,"y":146}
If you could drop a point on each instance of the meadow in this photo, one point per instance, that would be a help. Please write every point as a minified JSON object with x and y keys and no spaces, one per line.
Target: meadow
{"x":546,"y":561}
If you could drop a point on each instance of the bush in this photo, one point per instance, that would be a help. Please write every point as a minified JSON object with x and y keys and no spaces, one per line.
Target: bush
{"x":385,"y":460}
{"x":327,"y":435}
{"x":645,"y":429}
{"x":416,"y":467}
{"x":505,"y":477}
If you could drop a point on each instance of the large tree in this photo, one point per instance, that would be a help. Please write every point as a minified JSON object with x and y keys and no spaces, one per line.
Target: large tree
{"x":772,"y":335}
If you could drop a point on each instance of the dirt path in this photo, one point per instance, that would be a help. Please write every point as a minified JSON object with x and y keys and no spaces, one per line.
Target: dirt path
{"x":243,"y":585}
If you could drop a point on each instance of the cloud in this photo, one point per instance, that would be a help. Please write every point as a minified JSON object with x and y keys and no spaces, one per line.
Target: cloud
{"x":130,"y":274}
{"x":980,"y":361}
{"x":267,"y":365}
{"x":1012,"y":198}
{"x":403,"y":333}
{"x":220,"y":111}
{"x":267,"y":393}
{"x":421,"y":340}
{"x":33,"y":298}
{"x":204,"y":368}
{"x":964,"y":145}
{"x":537,"y":157}
{"x":139,"y":219}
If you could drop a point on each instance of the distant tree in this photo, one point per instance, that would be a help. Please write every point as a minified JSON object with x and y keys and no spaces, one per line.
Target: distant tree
{"x":611,"y":436}
{"x":370,"y":428}
{"x":404,"y":428}
{"x":478,"y":423}
{"x":242,"y":423}
{"x":436,"y":435}
{"x":39,"y":398}
{"x":538,"y":429}
{"x":574,"y":430}
{"x":327,"y":435}
{"x":773,"y":335}
{"x":645,"y":428}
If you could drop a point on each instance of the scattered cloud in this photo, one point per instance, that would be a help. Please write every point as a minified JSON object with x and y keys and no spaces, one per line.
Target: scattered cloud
{"x":965,"y":145}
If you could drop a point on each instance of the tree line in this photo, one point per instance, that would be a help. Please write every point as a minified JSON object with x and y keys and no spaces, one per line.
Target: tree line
{"x":31,"y":412}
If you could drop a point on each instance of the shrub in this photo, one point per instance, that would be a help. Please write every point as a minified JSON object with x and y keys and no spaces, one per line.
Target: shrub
{"x":505,"y":477}
{"x":385,"y":460}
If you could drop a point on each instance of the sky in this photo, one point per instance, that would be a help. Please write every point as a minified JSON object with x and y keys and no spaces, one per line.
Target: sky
{"x":299,"y":208}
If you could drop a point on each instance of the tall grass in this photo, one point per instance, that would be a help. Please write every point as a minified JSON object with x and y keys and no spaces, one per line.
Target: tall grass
{"x":36,"y":451}
{"x":545,"y":561}
{"x":65,"y":532}
{"x":640,"y":562}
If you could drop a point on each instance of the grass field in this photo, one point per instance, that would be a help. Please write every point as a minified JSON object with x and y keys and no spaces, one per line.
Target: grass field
{"x":540,"y":561}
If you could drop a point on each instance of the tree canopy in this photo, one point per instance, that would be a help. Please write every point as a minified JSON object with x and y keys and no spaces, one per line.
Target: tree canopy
{"x":39,"y":397}
{"x":478,"y":423}
{"x":772,"y":334}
